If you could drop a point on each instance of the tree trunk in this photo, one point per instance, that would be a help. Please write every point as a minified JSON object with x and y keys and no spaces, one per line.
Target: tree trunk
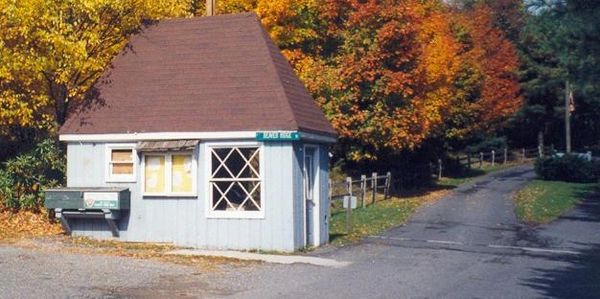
{"x":61,"y":103}
{"x":541,"y":143}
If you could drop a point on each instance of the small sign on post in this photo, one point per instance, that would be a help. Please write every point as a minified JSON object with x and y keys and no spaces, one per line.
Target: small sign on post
{"x":350,"y":200}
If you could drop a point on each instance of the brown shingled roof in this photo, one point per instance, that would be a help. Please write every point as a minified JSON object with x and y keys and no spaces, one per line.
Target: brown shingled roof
{"x":208,"y":74}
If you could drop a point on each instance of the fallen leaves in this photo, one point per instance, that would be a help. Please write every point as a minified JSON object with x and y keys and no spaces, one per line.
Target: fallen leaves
{"x":26,"y":224}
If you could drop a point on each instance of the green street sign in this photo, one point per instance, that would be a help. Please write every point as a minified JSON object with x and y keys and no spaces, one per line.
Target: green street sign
{"x":278,"y":136}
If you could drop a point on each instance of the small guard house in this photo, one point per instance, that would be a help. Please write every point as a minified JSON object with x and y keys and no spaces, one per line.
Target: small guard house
{"x":199,"y":134}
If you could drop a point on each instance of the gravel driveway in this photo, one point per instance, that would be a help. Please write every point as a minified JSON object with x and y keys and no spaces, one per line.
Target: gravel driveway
{"x":468,"y":245}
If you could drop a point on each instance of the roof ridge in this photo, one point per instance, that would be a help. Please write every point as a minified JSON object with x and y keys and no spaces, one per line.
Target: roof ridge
{"x":206,"y":18}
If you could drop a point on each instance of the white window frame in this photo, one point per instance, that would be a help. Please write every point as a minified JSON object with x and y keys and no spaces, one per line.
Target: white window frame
{"x":209,"y":212}
{"x":169,"y":174}
{"x":122,"y":178}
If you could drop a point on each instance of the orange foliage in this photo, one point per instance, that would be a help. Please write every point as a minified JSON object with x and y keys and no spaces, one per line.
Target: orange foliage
{"x":390,"y":74}
{"x":494,"y":59}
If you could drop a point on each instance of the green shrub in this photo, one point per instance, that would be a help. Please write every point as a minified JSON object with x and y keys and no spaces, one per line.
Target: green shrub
{"x":487,"y":145}
{"x":568,"y":168}
{"x":23,"y":178}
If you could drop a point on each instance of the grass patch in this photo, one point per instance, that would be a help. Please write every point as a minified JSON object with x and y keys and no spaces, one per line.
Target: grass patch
{"x":377,"y":217}
{"x":543,"y":201}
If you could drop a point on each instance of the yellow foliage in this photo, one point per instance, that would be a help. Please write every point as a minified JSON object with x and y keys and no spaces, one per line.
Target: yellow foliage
{"x":53,"y":51}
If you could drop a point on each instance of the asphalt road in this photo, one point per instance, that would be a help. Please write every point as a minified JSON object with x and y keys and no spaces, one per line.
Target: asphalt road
{"x":468,"y":245}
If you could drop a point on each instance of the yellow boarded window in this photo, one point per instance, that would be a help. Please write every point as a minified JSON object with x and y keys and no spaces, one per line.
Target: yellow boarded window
{"x":121,"y":161}
{"x":154,"y":169}
{"x":181,"y":173}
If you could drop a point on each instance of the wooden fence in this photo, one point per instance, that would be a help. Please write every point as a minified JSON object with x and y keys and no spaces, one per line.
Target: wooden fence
{"x":362,"y":192}
{"x":365,"y":190}
{"x":494,"y":157}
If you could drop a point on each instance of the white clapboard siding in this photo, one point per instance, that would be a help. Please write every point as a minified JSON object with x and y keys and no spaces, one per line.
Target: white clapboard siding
{"x":182,"y":221}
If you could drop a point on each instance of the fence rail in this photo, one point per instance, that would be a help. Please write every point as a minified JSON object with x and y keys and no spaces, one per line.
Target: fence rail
{"x":502,"y":156}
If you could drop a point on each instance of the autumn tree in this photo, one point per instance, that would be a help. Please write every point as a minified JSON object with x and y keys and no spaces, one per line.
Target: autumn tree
{"x":488,"y":91}
{"x":389,"y":74}
{"x":51,"y":52}
{"x":392,"y":74}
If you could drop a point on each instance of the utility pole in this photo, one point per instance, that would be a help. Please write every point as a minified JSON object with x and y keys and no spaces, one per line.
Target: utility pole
{"x":568,"y":117}
{"x":210,"y":7}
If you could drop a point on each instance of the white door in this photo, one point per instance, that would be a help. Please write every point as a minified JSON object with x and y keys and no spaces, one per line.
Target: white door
{"x":309,"y":194}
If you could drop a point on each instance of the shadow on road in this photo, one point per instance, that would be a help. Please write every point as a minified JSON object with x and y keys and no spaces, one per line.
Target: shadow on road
{"x":580,"y":277}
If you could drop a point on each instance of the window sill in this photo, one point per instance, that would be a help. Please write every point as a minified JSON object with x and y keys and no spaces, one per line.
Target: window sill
{"x":235,"y":215}
{"x":171,"y":195}
{"x":118,"y":180}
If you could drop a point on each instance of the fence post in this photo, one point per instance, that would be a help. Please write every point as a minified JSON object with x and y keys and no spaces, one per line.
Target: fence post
{"x":349,"y":205}
{"x":388,"y":183}
{"x":439,"y":174}
{"x":493,"y":157}
{"x":363,"y":189}
{"x":469,"y":160}
{"x":373,"y":186}
{"x":505,"y":155}
{"x":523,"y":155}
{"x":480,"y":159}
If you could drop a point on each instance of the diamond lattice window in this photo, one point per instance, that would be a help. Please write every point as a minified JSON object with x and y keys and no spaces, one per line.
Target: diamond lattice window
{"x":235,"y":179}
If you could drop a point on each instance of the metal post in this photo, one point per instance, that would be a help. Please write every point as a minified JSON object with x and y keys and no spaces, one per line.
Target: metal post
{"x":349,"y":206}
{"x":363,"y":189}
{"x":568,"y":116}
{"x":210,"y":7}
{"x":439,"y":174}
{"x":330,"y":191}
{"x":523,"y":155}
{"x":388,"y":183}
{"x":493,"y":157}
{"x":505,"y":155}
{"x":480,"y":159}
{"x":540,"y":151}
{"x":373,"y":186}
{"x":330,"y":194}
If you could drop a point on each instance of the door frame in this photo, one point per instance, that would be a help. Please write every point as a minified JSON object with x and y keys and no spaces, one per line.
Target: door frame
{"x":316,"y":213}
